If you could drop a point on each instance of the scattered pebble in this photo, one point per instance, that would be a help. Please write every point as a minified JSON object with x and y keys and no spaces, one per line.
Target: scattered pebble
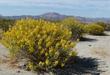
{"x":90,"y":45}
{"x":18,"y":71}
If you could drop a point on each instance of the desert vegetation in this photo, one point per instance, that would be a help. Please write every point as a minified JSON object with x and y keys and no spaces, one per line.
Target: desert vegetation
{"x":94,"y":29}
{"x":5,"y":24}
{"x":77,"y":28}
{"x":46,"y":44}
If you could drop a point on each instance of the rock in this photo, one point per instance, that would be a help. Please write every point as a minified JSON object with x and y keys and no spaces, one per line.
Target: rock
{"x":18,"y":71}
{"x":90,"y":45}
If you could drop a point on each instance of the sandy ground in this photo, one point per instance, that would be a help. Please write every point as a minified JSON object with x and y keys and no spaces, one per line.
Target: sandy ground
{"x":97,"y":47}
{"x":93,"y":47}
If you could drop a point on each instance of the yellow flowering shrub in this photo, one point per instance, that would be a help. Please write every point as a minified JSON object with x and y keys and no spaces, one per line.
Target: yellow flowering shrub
{"x":104,"y":25}
{"x":76,"y":27}
{"x":44,"y":44}
{"x":94,"y":29}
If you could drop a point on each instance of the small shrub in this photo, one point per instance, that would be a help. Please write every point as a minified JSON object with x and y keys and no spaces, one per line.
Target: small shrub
{"x":94,"y":29}
{"x":104,"y":25}
{"x":108,"y":27}
{"x":5,"y":24}
{"x":1,"y":33}
{"x":75,"y":26}
{"x":45,"y":45}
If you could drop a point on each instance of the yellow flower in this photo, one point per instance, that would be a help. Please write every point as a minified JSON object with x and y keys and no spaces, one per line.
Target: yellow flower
{"x":47,"y":62}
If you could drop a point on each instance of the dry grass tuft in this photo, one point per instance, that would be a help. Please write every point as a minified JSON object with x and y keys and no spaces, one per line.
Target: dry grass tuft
{"x":12,"y":63}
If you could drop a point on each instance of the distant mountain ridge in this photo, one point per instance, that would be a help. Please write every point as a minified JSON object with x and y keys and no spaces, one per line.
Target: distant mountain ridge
{"x":53,"y":16}
{"x":57,"y":16}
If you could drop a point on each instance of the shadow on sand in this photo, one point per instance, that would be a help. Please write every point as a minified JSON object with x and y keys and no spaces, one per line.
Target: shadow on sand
{"x":80,"y":66}
{"x":104,"y":34}
{"x":85,"y":39}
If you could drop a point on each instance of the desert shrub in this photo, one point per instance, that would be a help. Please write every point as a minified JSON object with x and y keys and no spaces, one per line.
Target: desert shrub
{"x":104,"y":25}
{"x":44,"y":44}
{"x":108,"y":27}
{"x":5,"y":24}
{"x":1,"y":32}
{"x":94,"y":29}
{"x":75,"y":26}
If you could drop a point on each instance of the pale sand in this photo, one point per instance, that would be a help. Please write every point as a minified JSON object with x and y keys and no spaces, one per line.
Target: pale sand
{"x":98,"y":47}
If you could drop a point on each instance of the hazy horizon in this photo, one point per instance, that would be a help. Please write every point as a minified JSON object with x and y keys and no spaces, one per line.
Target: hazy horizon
{"x":83,"y":8}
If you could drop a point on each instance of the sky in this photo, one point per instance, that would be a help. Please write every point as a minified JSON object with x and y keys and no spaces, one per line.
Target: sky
{"x":84,"y":8}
